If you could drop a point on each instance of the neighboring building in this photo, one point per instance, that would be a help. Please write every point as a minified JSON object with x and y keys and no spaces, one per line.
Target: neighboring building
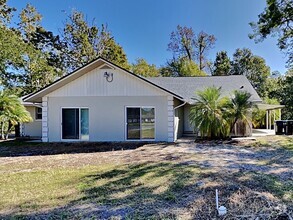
{"x":103,"y":102}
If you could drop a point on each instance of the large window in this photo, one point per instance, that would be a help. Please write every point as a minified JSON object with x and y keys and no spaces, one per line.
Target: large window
{"x":140,"y":123}
{"x":38,"y":114}
{"x":75,"y":123}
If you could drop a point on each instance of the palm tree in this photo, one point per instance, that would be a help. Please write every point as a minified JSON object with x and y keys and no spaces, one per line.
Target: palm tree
{"x":207,"y":115}
{"x":239,"y":109}
{"x":12,"y":112}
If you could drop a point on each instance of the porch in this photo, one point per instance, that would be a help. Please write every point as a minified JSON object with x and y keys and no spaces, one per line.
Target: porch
{"x":271,"y":114}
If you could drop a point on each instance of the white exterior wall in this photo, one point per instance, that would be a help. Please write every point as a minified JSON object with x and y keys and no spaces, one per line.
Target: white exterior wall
{"x":107,"y":102}
{"x":34,"y":128}
{"x":107,"y":116}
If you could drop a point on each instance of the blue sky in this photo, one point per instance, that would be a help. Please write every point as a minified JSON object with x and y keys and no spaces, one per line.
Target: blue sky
{"x":143,"y":27}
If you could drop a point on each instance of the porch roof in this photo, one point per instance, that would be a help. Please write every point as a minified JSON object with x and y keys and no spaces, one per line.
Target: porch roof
{"x":264,"y":106}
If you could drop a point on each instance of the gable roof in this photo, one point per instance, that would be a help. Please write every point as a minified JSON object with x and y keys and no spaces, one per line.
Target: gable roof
{"x":37,"y":96}
{"x":186,"y":86}
{"x":183,"y":88}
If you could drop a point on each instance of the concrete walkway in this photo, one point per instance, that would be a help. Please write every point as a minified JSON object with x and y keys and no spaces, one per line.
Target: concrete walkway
{"x":262,"y":132}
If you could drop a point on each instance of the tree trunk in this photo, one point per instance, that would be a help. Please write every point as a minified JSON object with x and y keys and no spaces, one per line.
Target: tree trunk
{"x":200,"y":57}
{"x":233,"y":127}
{"x":2,"y":131}
{"x":17,"y":130}
{"x":188,"y":53}
{"x":8,"y":130}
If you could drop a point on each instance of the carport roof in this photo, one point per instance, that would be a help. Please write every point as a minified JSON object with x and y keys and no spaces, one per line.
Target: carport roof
{"x":264,"y":106}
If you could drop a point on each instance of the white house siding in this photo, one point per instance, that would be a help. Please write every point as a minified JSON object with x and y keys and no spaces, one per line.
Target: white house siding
{"x":107,"y":102}
{"x":107,"y":115}
{"x":34,"y":128}
{"x":95,"y":84}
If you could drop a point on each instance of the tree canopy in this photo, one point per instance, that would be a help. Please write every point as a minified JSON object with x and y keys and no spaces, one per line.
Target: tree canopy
{"x":11,"y":113}
{"x":182,"y":67}
{"x":252,"y":66}
{"x":189,"y":49}
{"x":222,"y":64}
{"x":32,"y":57}
{"x":5,"y":12}
{"x":276,"y":19}
{"x":85,"y":42}
{"x":141,"y":67}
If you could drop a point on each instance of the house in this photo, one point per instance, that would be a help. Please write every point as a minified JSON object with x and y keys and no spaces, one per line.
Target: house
{"x":104,"y":102}
{"x":32,"y":129}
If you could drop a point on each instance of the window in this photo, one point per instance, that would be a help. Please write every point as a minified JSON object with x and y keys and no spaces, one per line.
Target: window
{"x":75,"y":123}
{"x":38,"y":113}
{"x":140,"y":123}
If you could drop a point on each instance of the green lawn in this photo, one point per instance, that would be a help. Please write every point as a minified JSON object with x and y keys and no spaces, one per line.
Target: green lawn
{"x":155,"y":181}
{"x":26,"y":191}
{"x":285,"y":142}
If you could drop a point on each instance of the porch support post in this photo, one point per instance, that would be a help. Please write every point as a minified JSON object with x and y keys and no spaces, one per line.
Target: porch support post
{"x":270,"y":120}
{"x":274,"y":118}
{"x":267,"y":119}
{"x":280,"y":114}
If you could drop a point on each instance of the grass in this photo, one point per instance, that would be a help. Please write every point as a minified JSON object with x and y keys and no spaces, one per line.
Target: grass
{"x":277,"y":141}
{"x":154,"y":181}
{"x":26,"y":192}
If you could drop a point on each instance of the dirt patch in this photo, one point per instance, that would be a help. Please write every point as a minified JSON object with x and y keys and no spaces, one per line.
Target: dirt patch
{"x":22,"y":148}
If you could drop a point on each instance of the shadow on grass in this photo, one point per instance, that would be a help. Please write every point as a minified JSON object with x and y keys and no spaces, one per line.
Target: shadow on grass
{"x":16,"y":148}
{"x":128,"y":192}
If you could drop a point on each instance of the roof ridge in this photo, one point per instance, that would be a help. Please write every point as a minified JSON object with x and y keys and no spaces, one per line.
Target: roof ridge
{"x":188,"y":77}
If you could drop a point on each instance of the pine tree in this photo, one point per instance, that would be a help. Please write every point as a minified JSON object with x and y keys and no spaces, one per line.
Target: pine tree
{"x":222,"y":64}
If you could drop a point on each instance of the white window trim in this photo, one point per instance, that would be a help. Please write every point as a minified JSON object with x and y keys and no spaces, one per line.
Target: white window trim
{"x":36,"y":114}
{"x":73,"y":140}
{"x":125,"y":123}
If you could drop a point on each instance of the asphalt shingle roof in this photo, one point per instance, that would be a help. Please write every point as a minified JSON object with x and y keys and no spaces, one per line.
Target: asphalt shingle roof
{"x":187,"y":86}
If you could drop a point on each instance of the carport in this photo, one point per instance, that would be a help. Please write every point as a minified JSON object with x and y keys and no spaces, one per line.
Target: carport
{"x":271,"y":112}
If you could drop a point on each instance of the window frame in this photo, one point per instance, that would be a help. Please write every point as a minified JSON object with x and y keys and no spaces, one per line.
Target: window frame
{"x":37,"y":113}
{"x":140,"y":127}
{"x":79,"y":130}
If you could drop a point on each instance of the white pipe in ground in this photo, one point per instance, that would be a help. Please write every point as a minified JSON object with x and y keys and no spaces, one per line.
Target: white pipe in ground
{"x":222,"y":209}
{"x":217,"y":200}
